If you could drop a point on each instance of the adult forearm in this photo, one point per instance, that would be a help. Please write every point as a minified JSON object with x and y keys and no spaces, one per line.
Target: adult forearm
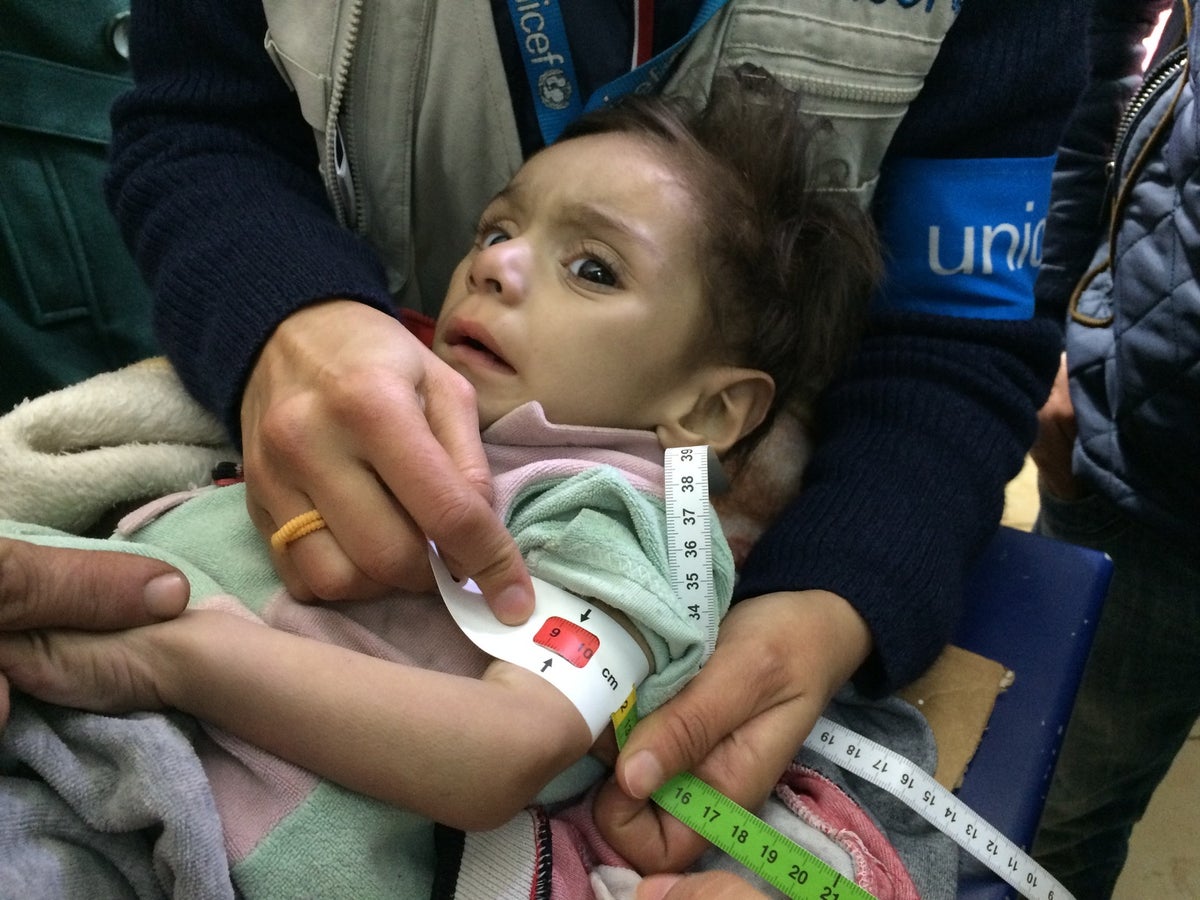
{"x":214,"y":181}
{"x":907,"y":481}
{"x":916,"y":442}
{"x":1002,"y":85}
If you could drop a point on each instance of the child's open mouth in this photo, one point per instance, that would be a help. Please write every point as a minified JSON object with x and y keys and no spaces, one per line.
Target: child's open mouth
{"x":475,"y":346}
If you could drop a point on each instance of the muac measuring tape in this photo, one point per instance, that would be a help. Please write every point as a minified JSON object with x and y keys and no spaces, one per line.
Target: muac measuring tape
{"x":754,"y":843}
{"x":733,"y":829}
{"x":604,"y":665}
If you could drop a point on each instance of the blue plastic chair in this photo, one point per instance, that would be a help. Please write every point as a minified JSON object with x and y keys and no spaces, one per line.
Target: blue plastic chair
{"x":1032,"y":605}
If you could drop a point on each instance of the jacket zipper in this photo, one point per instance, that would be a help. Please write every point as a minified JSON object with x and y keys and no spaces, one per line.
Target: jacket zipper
{"x":1156,"y":81}
{"x":339,"y":169}
{"x":1161,"y":76}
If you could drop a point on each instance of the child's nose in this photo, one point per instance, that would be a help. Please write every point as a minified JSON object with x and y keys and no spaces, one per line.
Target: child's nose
{"x":501,"y":269}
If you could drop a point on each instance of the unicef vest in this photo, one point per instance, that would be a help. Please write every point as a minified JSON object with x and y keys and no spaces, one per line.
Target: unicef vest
{"x":410,"y":105}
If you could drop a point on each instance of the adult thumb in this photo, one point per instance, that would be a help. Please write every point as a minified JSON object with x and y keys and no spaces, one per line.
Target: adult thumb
{"x":675,"y":737}
{"x":47,"y":587}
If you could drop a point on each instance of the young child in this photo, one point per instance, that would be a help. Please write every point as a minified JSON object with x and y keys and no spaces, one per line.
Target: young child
{"x":657,"y":278}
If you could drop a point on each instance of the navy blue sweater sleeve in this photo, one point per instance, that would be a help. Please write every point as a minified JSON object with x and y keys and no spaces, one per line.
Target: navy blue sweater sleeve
{"x":213,"y":179}
{"x":918,"y":439}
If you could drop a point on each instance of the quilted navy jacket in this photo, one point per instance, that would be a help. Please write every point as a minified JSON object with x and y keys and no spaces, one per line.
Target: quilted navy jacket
{"x":1133,"y":324}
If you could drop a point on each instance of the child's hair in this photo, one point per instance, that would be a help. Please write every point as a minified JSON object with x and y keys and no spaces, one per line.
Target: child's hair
{"x":791,"y":260}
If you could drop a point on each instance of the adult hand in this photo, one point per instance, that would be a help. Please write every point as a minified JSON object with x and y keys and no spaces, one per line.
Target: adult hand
{"x":348,"y":413}
{"x":779,"y":659}
{"x":46,"y":587}
{"x":1057,"y":429}
{"x":109,"y":672}
{"x":95,"y":590}
{"x":702,"y":886}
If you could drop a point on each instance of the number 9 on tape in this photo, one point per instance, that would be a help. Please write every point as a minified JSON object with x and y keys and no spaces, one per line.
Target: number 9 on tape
{"x":574,"y":644}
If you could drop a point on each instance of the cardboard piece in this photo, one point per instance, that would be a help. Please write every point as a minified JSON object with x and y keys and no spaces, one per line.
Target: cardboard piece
{"x":956,"y":696}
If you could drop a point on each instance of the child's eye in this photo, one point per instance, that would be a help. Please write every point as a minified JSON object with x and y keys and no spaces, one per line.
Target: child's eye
{"x":492,"y":236}
{"x":593,"y":270}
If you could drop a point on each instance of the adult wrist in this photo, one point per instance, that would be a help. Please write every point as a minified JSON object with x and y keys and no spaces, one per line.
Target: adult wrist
{"x":848,"y":632}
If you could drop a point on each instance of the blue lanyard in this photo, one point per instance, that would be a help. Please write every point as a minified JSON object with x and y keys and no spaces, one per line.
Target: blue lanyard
{"x":542,"y":39}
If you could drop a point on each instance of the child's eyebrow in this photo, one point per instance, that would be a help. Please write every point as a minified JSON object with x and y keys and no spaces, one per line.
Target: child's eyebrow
{"x":511,"y":193}
{"x":596,"y":219}
{"x":584,"y":216}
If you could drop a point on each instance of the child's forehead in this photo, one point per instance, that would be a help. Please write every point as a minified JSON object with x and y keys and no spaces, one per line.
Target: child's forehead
{"x":603,"y":155}
{"x":603,"y":179}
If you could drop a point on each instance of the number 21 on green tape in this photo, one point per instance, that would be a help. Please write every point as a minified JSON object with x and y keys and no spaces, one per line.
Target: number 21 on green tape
{"x":772,"y":856}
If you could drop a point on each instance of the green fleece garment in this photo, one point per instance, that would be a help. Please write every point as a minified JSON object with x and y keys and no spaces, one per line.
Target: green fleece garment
{"x":592,"y":533}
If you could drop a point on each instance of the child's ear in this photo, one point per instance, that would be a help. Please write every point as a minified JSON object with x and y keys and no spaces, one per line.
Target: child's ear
{"x":727,"y":404}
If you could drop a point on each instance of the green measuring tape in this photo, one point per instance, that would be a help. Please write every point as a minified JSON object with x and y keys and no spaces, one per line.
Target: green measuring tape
{"x":727,"y":825}
{"x":745,"y":837}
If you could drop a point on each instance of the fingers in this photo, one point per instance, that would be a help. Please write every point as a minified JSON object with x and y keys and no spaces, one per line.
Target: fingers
{"x":454,"y":421}
{"x":702,"y":886}
{"x":308,"y":399}
{"x":367,"y":547}
{"x":397,"y":487}
{"x":724,"y":697}
{"x":443,"y":482}
{"x":1057,"y":412}
{"x":738,"y":723}
{"x":480,"y":547}
{"x":101,"y":672}
{"x":43,"y":587}
{"x":779,"y":659}
{"x":731,"y":726}
{"x":1057,"y":429}
{"x":347,"y":413}
{"x":24,"y":660}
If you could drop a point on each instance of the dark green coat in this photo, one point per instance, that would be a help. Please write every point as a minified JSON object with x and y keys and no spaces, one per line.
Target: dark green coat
{"x":71,"y":302}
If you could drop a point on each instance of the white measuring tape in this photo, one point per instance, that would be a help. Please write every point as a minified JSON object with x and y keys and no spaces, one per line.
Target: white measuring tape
{"x":571,"y":643}
{"x":902,"y":778}
{"x":687,"y":489}
{"x":689,"y":536}
{"x":604,"y":663}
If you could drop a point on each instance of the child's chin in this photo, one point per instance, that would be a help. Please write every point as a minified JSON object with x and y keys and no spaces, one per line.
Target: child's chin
{"x":490,"y":414}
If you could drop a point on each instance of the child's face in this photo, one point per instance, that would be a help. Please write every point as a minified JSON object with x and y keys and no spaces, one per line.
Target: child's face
{"x":583,"y":290}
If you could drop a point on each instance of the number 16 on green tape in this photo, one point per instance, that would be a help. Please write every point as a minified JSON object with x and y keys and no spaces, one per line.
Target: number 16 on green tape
{"x":730,"y":827}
